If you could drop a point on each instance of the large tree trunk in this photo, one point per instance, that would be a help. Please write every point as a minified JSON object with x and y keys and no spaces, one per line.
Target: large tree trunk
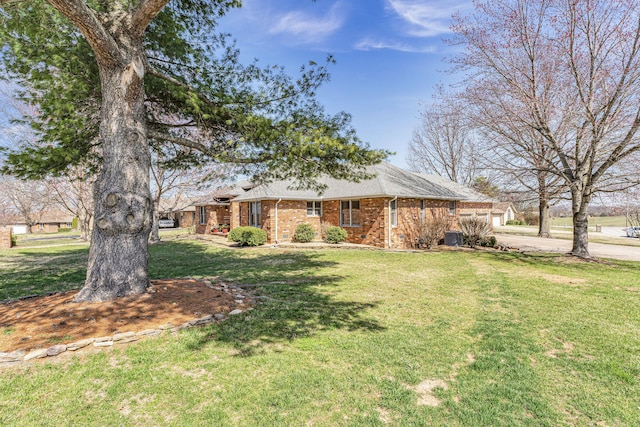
{"x":544,"y":228}
{"x":580,"y":208}
{"x":543,"y":206}
{"x":119,"y":252}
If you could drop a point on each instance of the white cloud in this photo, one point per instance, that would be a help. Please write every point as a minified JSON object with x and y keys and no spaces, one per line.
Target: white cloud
{"x":369,"y":44}
{"x":307,"y":28}
{"x":427,"y":18}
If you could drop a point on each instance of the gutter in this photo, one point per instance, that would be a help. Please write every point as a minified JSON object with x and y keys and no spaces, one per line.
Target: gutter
{"x":389,"y":234}
{"x":276,"y":239}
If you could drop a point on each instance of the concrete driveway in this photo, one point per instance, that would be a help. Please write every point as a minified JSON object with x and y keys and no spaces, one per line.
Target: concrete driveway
{"x":538,"y":244}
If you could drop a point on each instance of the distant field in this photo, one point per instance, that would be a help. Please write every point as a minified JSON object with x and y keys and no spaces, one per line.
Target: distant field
{"x":605,"y":221}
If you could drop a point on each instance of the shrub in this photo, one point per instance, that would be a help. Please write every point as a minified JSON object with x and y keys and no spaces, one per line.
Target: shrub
{"x":474,"y":229}
{"x":489,"y":242}
{"x":248,"y":236}
{"x":63,"y":230}
{"x":304,"y":234}
{"x":432,"y":228}
{"x":235,"y":234}
{"x":531,"y":218}
{"x":335,"y":234}
{"x":14,"y":240}
{"x":74,"y":223}
{"x":514,"y":222}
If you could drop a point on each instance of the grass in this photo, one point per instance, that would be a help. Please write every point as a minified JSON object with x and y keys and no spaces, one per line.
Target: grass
{"x":346,"y":337}
{"x":605,"y":221}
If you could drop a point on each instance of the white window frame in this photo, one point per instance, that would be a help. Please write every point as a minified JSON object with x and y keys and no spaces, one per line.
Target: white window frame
{"x":315,"y":209}
{"x":350,"y":208}
{"x":202,"y":214}
{"x":255,"y":214}
{"x":453,"y":205}
{"x":393,"y":212}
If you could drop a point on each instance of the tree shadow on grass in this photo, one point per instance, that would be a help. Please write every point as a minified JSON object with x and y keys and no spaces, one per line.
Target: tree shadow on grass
{"x":294,"y":289}
{"x":41,"y":271}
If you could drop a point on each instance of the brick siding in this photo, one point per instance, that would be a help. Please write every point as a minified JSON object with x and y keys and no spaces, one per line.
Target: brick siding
{"x":374,"y":219}
{"x":187,"y":219}
{"x":5,"y":238}
{"x":215,"y":215}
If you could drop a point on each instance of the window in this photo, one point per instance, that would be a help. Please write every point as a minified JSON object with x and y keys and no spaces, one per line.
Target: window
{"x":314,"y":208}
{"x":423,"y":205}
{"x":452,"y":207}
{"x":393,"y":208}
{"x":350,"y":213}
{"x":255,"y":213}
{"x":203,"y":214}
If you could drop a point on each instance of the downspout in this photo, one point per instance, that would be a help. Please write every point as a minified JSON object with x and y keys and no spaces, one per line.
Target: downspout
{"x":276,"y":240}
{"x":389,"y":241}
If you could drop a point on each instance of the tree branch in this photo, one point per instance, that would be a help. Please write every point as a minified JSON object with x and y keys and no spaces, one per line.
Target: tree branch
{"x":85,"y":19}
{"x":144,"y":14}
{"x":198,"y":146}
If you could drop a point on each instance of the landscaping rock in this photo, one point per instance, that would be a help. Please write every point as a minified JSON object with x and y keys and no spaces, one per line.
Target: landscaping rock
{"x":148,"y":332}
{"x":103,"y":339}
{"x":36,"y":354}
{"x":219,"y":316}
{"x":234,"y":312}
{"x":56,"y":350}
{"x":166,"y":326}
{"x":201,"y":321}
{"x":14,"y":356}
{"x":80,"y":344}
{"x":123,"y":336}
{"x":103,"y":343}
{"x":238,"y":301}
{"x":127,"y":340}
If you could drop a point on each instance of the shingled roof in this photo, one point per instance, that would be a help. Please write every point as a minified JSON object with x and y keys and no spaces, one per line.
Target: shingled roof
{"x":468,"y":194}
{"x":389,"y":181}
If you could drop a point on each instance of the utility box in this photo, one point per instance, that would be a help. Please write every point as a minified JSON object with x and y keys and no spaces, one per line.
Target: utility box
{"x":453,"y":238}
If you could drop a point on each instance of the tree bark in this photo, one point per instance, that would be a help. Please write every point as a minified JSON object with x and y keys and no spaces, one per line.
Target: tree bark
{"x":155,"y":227}
{"x":84,"y":224}
{"x":544,"y":228}
{"x":119,"y":253}
{"x":580,"y":208}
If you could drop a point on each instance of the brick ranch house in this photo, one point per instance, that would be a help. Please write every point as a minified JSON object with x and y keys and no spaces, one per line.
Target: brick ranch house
{"x":385,"y":211}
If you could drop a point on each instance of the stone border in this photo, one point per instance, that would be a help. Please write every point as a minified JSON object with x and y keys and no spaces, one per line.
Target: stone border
{"x":17,"y":357}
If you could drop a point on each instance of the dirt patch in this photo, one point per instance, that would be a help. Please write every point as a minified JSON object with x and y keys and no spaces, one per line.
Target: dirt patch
{"x":564,"y":280}
{"x":40,"y":322}
{"x":424,"y":390}
{"x":567,"y":348}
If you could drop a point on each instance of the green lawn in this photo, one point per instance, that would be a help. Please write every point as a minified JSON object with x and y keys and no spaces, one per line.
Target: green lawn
{"x":353,"y":338}
{"x":605,"y":221}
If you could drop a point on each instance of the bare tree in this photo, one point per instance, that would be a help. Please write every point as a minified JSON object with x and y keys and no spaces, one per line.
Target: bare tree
{"x":444,"y":144}
{"x":74,"y":193}
{"x":180,"y":181}
{"x":517,"y":154}
{"x":29,"y":199}
{"x":568,"y":71}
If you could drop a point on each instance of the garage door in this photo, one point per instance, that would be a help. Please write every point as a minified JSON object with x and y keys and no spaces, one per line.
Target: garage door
{"x":19,"y":229}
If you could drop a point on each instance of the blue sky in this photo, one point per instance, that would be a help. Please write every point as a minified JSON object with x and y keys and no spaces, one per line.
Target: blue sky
{"x":389,"y":55}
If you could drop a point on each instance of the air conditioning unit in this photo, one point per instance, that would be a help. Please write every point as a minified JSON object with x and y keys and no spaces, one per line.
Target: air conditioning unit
{"x":453,"y":238}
